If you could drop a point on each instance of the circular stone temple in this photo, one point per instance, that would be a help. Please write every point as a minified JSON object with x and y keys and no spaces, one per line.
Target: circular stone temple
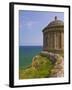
{"x":53,"y":36}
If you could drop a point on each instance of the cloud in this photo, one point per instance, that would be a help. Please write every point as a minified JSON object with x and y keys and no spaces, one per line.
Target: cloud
{"x":28,"y":24}
{"x":31,"y":24}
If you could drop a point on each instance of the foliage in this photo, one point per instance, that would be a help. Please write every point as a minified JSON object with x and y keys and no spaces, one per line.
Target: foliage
{"x":40,"y":68}
{"x":43,"y":65}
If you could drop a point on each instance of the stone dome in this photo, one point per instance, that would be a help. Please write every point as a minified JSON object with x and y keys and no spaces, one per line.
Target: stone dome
{"x":55,"y":23}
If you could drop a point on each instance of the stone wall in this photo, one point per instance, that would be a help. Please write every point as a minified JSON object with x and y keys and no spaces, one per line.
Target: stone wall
{"x":53,"y":41}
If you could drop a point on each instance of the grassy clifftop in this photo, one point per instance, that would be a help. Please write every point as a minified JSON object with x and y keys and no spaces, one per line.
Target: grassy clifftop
{"x":41,"y":67}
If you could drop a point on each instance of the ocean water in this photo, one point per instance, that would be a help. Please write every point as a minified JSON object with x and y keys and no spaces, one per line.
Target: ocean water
{"x":26,"y":53}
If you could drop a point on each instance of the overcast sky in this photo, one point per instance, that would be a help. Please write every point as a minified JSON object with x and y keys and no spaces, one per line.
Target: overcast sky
{"x":31,"y":24}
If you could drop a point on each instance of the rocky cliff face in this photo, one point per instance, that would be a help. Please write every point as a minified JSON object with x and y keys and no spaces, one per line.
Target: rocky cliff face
{"x":44,"y":65}
{"x":58,"y":61}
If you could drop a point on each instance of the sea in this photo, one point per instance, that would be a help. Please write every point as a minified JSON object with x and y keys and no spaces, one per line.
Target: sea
{"x":26,"y":54}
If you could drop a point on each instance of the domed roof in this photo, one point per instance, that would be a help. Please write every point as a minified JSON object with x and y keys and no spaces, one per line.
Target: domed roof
{"x":55,"y":23}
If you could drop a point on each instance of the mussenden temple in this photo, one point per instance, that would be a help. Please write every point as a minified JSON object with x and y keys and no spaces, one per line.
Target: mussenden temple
{"x":53,"y":36}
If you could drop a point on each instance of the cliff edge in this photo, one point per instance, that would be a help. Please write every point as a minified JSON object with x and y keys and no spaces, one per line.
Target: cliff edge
{"x":44,"y":65}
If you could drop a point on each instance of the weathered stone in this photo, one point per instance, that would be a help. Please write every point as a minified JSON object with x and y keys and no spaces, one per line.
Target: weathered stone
{"x":53,"y":37}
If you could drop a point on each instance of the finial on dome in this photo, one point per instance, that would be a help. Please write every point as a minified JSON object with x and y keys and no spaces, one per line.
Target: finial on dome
{"x":55,"y":17}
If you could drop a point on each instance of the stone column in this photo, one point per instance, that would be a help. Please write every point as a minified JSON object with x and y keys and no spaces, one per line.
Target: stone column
{"x":58,"y":41}
{"x":62,"y":40}
{"x":50,"y":40}
{"x":54,"y":40}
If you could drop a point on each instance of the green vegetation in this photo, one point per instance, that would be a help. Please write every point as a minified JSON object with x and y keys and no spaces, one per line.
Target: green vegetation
{"x":41,"y":67}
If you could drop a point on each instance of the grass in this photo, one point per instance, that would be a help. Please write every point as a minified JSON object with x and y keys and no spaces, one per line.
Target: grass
{"x":40,"y":68}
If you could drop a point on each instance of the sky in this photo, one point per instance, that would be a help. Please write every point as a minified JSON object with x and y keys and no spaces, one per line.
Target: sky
{"x":31,"y":24}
